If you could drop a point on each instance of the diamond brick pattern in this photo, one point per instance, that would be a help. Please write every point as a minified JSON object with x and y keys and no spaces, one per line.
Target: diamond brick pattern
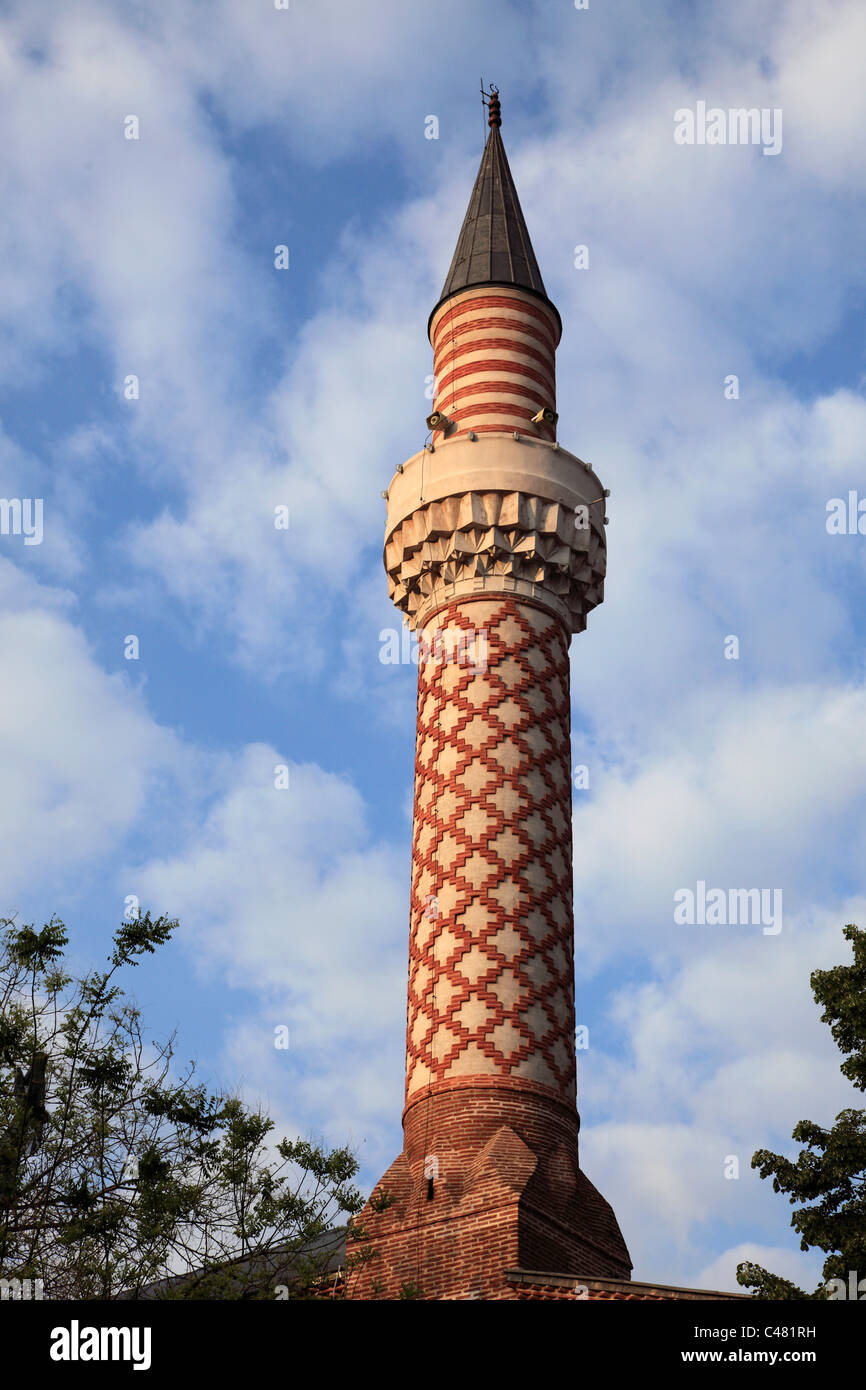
{"x":491,"y":953}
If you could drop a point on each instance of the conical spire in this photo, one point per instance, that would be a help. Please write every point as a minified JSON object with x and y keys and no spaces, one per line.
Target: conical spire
{"x":494,"y":247}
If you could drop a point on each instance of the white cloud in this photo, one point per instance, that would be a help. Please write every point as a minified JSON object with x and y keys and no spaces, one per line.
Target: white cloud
{"x":764,"y":790}
{"x":804,"y":1270}
{"x":287,"y":893}
{"x":717,"y":1055}
{"x":81,"y":755}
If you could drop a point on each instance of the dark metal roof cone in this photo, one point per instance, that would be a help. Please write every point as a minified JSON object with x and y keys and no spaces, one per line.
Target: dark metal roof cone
{"x":494,"y":246}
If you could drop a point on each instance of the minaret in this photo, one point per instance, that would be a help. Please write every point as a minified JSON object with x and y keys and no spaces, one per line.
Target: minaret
{"x":495,"y":553}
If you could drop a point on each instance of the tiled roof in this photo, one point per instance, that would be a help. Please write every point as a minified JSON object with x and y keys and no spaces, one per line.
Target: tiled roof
{"x":541,"y":1286}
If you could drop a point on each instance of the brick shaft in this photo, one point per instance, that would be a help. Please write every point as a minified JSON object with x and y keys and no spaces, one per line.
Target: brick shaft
{"x":491,"y":968}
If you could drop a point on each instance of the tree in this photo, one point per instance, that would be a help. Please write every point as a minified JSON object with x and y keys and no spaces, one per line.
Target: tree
{"x":116,"y":1172}
{"x":829,"y":1176}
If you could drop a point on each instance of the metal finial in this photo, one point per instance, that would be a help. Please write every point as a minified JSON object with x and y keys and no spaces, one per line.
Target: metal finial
{"x":494,"y":115}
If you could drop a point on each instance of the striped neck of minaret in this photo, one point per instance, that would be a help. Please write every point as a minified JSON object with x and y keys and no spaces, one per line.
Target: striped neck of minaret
{"x":494,"y":360}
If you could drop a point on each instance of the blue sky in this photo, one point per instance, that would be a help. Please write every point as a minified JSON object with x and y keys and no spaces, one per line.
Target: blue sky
{"x":155,"y":257}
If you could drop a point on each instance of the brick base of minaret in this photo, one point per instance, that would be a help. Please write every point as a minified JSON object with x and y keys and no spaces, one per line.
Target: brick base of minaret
{"x":511,"y":1195}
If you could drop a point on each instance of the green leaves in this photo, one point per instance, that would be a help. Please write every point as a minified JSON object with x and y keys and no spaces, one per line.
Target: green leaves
{"x":771,"y":1286}
{"x":139,"y":936}
{"x":105,"y":1070}
{"x":118,"y":1170}
{"x":842,"y":992}
{"x":34,"y":951}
